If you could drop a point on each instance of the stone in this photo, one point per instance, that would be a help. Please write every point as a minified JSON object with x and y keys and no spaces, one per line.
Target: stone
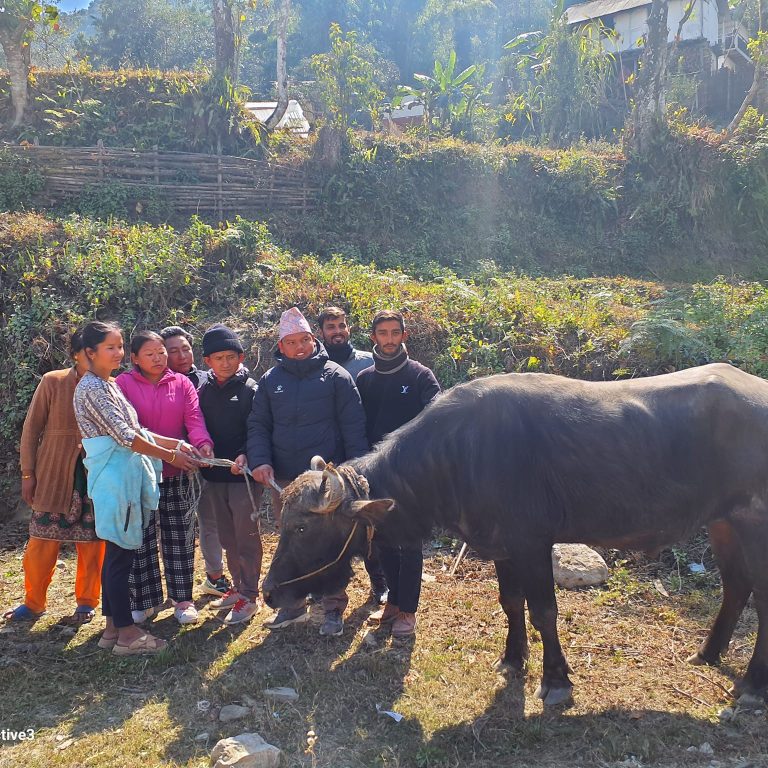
{"x":282,"y":694}
{"x":726,"y":714}
{"x":233,"y":712}
{"x":202,"y":737}
{"x":706,"y":749}
{"x":248,"y":750}
{"x":576,"y":565}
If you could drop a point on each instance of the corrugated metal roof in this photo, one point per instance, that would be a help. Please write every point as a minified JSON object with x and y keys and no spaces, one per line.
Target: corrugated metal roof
{"x":597,"y":8}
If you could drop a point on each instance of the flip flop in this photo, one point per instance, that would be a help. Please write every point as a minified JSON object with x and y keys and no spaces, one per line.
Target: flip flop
{"x":83,"y":614}
{"x":22,"y":613}
{"x":107,"y":643}
{"x":144,"y":645}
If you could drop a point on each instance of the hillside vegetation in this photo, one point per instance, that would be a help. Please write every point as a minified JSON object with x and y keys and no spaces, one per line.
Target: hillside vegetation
{"x":59,"y":271}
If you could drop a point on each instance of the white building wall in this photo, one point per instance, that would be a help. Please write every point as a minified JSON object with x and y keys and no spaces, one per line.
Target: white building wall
{"x":631,"y":25}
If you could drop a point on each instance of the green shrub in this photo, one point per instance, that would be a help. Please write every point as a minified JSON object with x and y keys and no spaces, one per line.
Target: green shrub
{"x":20,"y":181}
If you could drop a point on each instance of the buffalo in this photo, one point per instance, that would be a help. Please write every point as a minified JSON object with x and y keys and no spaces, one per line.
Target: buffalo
{"x":516,"y":462}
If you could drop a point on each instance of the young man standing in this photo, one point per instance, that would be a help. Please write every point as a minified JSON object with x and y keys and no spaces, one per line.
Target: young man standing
{"x":181,"y":359}
{"x":304,"y":406}
{"x":394,"y":391}
{"x":225,"y":400}
{"x":334,"y":332}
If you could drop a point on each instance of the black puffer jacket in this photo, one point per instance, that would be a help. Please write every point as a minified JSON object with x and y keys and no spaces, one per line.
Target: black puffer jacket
{"x":226,"y":410}
{"x":304,"y":408}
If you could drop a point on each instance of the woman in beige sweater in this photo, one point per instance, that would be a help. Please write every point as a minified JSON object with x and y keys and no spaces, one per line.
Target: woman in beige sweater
{"x":53,"y":483}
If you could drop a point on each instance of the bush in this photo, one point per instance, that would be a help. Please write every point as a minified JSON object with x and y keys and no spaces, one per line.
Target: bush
{"x":20,"y":181}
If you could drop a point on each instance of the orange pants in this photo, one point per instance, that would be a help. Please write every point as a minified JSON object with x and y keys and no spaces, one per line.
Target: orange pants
{"x":40,"y":564}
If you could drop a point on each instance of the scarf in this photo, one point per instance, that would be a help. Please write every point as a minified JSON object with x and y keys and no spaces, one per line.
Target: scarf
{"x":389,"y":365}
{"x":340,"y":353}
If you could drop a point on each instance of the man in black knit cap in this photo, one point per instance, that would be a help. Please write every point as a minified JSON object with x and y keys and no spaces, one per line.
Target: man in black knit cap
{"x":394,"y":391}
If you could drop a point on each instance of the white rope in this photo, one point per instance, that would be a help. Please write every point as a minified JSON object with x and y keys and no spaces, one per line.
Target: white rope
{"x":248,"y":479}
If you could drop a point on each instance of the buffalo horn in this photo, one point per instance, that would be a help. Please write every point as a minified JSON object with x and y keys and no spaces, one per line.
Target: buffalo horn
{"x":333,"y":492}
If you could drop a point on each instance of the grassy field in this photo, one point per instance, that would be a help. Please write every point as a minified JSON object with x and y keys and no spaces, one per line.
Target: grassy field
{"x":636,"y":702}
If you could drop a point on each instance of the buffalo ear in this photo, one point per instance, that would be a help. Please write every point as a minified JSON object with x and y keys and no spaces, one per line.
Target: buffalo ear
{"x":372,"y":512}
{"x":317,"y":463}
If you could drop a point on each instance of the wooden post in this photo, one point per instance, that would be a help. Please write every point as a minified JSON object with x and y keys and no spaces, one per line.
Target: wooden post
{"x":219,"y":187}
{"x":100,"y":145}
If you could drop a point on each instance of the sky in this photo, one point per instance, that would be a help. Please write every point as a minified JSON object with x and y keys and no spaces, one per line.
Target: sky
{"x":73,"y":5}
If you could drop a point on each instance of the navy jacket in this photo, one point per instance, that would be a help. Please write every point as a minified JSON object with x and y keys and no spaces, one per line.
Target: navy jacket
{"x":393,"y":399}
{"x":226,"y":410}
{"x":304,"y":408}
{"x":197,"y":377}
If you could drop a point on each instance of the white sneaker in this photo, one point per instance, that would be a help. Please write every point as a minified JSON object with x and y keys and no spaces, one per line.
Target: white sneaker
{"x":186,"y":613}
{"x":227,"y":600}
{"x":139,"y":617}
{"x":243,"y":610}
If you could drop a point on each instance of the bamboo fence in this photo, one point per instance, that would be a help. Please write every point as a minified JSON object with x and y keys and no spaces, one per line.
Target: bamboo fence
{"x":208,"y":185}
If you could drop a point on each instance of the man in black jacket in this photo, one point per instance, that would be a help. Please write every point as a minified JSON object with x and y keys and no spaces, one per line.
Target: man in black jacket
{"x":304,"y":406}
{"x":394,"y":391}
{"x":225,"y":400}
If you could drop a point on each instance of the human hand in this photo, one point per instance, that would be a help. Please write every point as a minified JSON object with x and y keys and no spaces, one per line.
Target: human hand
{"x":240,"y":463}
{"x":206,"y":451}
{"x":185,"y":461}
{"x":28,"y":489}
{"x":263,"y":474}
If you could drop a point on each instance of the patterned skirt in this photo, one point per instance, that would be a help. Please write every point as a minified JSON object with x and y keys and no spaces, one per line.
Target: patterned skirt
{"x":77,"y":523}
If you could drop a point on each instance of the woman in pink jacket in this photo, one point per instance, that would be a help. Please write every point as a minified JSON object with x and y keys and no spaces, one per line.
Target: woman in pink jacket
{"x":166,"y":403}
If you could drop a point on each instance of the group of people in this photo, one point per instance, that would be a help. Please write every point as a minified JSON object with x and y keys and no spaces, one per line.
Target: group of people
{"x":107,"y":463}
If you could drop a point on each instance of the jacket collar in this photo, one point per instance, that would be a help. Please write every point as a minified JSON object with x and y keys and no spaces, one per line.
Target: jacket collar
{"x":137,"y":375}
{"x":303,"y":368}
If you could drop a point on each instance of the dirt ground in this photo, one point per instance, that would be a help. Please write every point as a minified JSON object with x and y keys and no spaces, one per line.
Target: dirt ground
{"x":636,"y":701}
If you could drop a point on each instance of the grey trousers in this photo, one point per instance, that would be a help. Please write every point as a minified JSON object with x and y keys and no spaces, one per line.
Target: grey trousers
{"x":238,"y":533}
{"x":210,"y":546}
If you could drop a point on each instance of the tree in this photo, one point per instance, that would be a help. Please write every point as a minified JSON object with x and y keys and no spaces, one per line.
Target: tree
{"x":17,"y":25}
{"x":225,"y":39}
{"x":348,"y":78}
{"x":282,"y":70}
{"x":758,"y":50}
{"x":162,"y":34}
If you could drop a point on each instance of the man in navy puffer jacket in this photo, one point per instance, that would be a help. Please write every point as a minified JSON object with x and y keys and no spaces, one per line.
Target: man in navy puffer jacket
{"x":304,"y":406}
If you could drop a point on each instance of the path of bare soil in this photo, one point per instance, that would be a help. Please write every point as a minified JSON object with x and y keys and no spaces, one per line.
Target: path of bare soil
{"x":637,"y":703}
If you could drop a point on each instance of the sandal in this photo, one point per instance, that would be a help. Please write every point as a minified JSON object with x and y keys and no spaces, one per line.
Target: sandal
{"x":22,"y":613}
{"x":107,"y":643}
{"x":83,"y":614}
{"x":146,"y":644}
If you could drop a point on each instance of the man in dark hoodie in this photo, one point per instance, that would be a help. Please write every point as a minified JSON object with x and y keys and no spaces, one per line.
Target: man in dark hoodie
{"x":394,"y":391}
{"x":225,"y":400}
{"x":304,"y":406}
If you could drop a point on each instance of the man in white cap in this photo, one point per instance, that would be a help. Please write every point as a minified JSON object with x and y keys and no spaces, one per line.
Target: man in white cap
{"x":304,"y":406}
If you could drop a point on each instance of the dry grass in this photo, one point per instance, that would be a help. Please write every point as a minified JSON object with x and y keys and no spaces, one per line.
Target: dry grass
{"x":636,"y":700}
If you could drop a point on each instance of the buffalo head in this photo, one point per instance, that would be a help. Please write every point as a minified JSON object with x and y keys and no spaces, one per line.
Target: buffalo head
{"x":327,"y":520}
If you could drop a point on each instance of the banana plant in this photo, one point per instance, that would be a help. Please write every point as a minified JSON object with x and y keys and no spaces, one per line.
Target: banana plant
{"x":447,"y":97}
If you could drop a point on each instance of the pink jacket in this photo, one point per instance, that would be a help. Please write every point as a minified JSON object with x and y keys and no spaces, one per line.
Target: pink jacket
{"x":169,"y":408}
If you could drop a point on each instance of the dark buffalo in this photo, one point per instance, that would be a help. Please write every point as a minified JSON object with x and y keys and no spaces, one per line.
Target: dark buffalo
{"x":517,"y":462}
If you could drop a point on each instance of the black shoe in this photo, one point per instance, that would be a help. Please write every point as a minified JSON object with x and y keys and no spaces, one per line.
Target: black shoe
{"x":378,"y":596}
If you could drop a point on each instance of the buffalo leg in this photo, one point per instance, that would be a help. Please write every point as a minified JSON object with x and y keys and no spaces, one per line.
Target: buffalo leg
{"x":512,"y":600}
{"x":737,"y":587}
{"x":753,"y":533}
{"x":539,"y":588}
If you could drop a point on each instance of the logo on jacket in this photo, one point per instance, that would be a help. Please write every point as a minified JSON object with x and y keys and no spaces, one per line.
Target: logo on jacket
{"x":405,"y":388}
{"x":279,"y":388}
{"x":234,"y":399}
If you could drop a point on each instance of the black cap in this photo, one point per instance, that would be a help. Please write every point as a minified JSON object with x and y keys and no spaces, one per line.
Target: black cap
{"x":219,"y":338}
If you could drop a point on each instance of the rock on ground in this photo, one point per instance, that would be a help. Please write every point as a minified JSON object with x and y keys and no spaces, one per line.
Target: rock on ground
{"x":576,"y":565}
{"x":233,"y":712}
{"x":248,"y":750}
{"x":281,"y":694}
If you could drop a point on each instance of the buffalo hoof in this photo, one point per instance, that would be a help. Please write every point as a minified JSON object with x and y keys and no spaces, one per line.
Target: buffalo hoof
{"x":747,"y":695}
{"x":504,"y":667}
{"x":699,"y":661}
{"x":553,"y":695}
